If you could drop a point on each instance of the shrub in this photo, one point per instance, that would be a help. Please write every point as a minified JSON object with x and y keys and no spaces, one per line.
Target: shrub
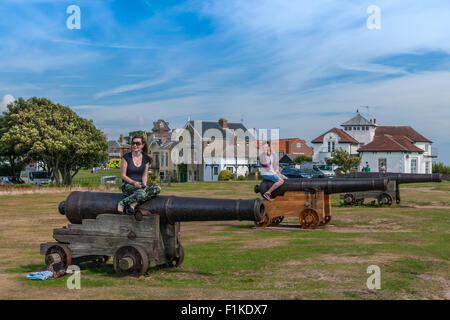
{"x":225,"y":175}
{"x":441,"y":168}
{"x":18,"y":186}
{"x":241,"y":177}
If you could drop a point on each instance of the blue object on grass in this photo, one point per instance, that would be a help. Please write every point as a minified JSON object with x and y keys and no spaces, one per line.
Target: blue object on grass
{"x":43,"y":275}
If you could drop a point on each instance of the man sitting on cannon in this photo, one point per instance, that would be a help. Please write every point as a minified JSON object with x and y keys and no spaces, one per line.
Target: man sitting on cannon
{"x":270,"y":170}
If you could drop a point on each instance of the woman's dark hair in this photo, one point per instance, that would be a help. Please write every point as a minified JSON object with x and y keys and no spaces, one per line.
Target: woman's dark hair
{"x":145,"y":148}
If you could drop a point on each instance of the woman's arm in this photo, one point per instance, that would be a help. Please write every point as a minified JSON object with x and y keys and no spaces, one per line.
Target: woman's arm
{"x":145,"y":175}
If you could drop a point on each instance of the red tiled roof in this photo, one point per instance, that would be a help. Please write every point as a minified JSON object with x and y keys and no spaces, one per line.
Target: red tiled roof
{"x":406,"y":131}
{"x":390,"y":143}
{"x":344,"y":137}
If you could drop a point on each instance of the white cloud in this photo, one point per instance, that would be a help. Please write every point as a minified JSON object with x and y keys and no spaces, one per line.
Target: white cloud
{"x":7,"y":99}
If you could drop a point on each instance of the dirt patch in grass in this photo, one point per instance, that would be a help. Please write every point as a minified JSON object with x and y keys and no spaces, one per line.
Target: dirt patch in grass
{"x":445,"y":283}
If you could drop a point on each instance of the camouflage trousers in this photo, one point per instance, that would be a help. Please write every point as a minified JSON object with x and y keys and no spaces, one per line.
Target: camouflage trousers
{"x":139,"y":195}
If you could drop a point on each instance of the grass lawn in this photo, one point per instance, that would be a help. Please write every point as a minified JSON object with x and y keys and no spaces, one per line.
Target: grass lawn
{"x":233,"y":260}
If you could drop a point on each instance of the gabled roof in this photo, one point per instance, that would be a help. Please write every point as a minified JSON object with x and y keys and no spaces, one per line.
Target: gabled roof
{"x":358,"y":120}
{"x":406,"y":131}
{"x":206,"y":125}
{"x":168,"y":144}
{"x":344,"y":137}
{"x":117,"y":145}
{"x":390,"y":143}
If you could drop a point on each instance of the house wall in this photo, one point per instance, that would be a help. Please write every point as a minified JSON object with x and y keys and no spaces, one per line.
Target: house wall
{"x":321,"y":149}
{"x":395,"y":161}
{"x":362,"y":136}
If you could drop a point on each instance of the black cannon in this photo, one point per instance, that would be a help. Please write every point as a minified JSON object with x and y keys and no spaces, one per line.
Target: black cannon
{"x":328,"y":186}
{"x":392,"y":193}
{"x":309,"y":199}
{"x":97,"y":233}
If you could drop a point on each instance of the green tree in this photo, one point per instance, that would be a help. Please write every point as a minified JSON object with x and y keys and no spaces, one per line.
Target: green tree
{"x":344,"y":160}
{"x":301,"y":159}
{"x":55,"y":134}
{"x":11,"y":153}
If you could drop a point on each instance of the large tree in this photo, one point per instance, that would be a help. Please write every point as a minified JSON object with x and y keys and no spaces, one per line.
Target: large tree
{"x":344,"y":160}
{"x":55,"y":134}
{"x":14,"y":155}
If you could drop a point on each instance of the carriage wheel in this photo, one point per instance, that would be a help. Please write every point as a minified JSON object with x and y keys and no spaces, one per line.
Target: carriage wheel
{"x":263,"y":223}
{"x":384,"y":198}
{"x":309,"y":219}
{"x":130,"y":260}
{"x":58,"y":252}
{"x":349,"y":198}
{"x":277,"y":220}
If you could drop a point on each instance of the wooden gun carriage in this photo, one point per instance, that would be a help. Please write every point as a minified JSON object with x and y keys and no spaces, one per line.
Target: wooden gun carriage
{"x":392,"y":193}
{"x":96,"y":233}
{"x":309,"y":199}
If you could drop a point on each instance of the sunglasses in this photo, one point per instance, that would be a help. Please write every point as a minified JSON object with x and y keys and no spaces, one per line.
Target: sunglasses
{"x":136,"y":143}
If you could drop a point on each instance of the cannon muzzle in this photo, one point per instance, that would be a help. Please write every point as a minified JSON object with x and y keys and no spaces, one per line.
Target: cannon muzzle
{"x":87,"y":205}
{"x":399,"y":177}
{"x":328,"y":186}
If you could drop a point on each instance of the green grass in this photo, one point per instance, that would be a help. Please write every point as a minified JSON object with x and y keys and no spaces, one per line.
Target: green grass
{"x":228,"y":259}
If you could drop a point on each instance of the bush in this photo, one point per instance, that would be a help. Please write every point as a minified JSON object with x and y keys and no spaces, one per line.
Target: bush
{"x":154,"y":179}
{"x":241,"y":177}
{"x":18,"y":186}
{"x":225,"y":175}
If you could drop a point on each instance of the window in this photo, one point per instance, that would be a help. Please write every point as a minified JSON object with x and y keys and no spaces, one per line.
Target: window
{"x":349,"y":128}
{"x":414,"y":165}
{"x":216,"y":171}
{"x":230,"y":168}
{"x":331,"y":146}
{"x":195,"y":175}
{"x":162,"y":159}
{"x":167,"y":159}
{"x":427,"y":148}
{"x":427,"y":167}
{"x":382,"y":162}
{"x":354,"y":128}
{"x":298,"y":145}
{"x":367,"y":127}
{"x":357,"y":128}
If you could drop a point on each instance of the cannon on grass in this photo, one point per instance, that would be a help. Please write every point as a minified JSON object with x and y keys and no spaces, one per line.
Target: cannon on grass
{"x":309,"y":199}
{"x":97,"y":233}
{"x":392,"y":193}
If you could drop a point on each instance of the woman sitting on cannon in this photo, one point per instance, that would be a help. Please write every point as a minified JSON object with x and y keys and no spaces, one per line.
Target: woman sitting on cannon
{"x":134,"y":172}
{"x":270,"y":170}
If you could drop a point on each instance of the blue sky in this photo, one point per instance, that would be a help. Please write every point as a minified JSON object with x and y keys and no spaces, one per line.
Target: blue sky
{"x":300,"y":66}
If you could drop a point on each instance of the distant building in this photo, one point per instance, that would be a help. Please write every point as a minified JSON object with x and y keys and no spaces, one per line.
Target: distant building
{"x":399,"y":149}
{"x":294,"y":147}
{"x":116,"y":149}
{"x":216,"y":146}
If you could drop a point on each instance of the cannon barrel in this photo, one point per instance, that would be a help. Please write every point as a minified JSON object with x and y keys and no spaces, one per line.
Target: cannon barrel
{"x":328,"y":186}
{"x":399,"y":177}
{"x":87,"y":205}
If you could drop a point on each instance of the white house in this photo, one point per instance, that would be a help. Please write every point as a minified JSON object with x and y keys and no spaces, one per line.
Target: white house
{"x":208,"y":147}
{"x":399,"y":149}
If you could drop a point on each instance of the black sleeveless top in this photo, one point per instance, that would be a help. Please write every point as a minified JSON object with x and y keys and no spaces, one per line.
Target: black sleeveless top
{"x":134,"y":172}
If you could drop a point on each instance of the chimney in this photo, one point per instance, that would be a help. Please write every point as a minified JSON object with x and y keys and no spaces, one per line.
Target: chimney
{"x":223,"y":123}
{"x":370,"y":120}
{"x":121,"y":138}
{"x":374,"y":121}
